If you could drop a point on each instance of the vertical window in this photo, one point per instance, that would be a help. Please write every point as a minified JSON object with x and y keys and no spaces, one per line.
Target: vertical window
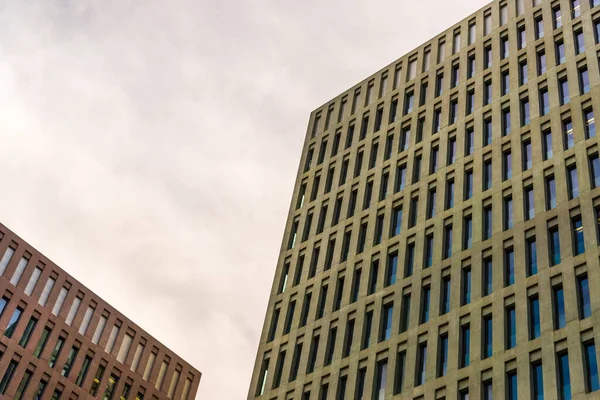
{"x":445,"y":298}
{"x":363,"y":234}
{"x":355,"y":285}
{"x":455,"y":75}
{"x":466,"y":287}
{"x":368,"y":324}
{"x":511,"y":327}
{"x":42,"y":342}
{"x":56,"y":352}
{"x":471,"y":67}
{"x":541,"y":62}
{"x":529,"y":203}
{"x":505,"y":121}
{"x":467,"y":232}
{"x":330,"y":345}
{"x":449,"y":194}
{"x":584,"y":80}
{"x":405,"y":313}
{"x":421,"y":364}
{"x":14,"y":321}
{"x":523,"y":73}
{"x":537,"y":381}
{"x":400,"y":177}
{"x":380,"y":379}
{"x":507,"y":165}
{"x":423,"y":93}
{"x":410,"y":260}
{"x":425,"y":299}
{"x":468,"y":184}
{"x":396,"y":222}
{"x":527,"y":155}
{"x":487,"y":275}
{"x":46,"y":291}
{"x":508,"y":213}
{"x":23,"y":385}
{"x":579,"y":42}
{"x":575,"y":8}
{"x":563,"y":88}
{"x":487,"y":339}
{"x":547,"y":144}
{"x":442,"y":368}
{"x":28,"y":332}
{"x":554,"y":239}
{"x":539,"y":27}
{"x":531,"y":256}
{"x":583,"y":294}
{"x":260,"y":387}
{"x":414,"y":206}
{"x":428,"y":251}
{"x":550,"y":192}
{"x":558,"y":301}
{"x":525,"y":111}
{"x":487,"y":174}
{"x":578,"y":240}
{"x":487,"y":131}
{"x":487,"y":222}
{"x":572,"y":181}
{"x":322,"y":301}
{"x":433,"y":165}
{"x":312,"y":355}
{"x":504,"y":47}
{"x":564,"y":377}
{"x":405,"y":139}
{"x":522,"y":37}
{"x":505,"y":82}
{"x":70,"y":359}
{"x":439,"y":84}
{"x":408,"y":102}
{"x":437,"y":120}
{"x":557,"y":17}
{"x":591,"y":367}
{"x":8,"y":375}
{"x":472,"y":33}
{"x":470,"y":102}
{"x":465,"y":346}
{"x":509,"y":267}
{"x":534,"y":317}
{"x":560,"y":52}
{"x":386,"y":325}
{"x":589,"y":123}
{"x":511,"y":386}
{"x":373,"y":276}
{"x":349,"y":136}
{"x":392,"y":269}
{"x":447,"y":241}
{"x":544,"y":101}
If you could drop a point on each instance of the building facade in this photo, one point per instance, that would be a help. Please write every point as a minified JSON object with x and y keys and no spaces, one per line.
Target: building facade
{"x":61,"y":341}
{"x":435,"y":246}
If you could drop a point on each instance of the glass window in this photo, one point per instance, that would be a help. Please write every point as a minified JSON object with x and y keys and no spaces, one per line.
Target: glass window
{"x":487,"y":131}
{"x":573,"y":182}
{"x":509,"y":267}
{"x":547,"y":144}
{"x":443,"y":356}
{"x":421,"y":364}
{"x":512,"y":389}
{"x":525,"y":112}
{"x":507,"y":165}
{"x":425,"y":300}
{"x":531,"y":249}
{"x":550,"y":192}
{"x":544,"y":101}
{"x":554,"y":246}
{"x":467,"y":232}
{"x":465,"y":346}
{"x":534,"y":317}
{"x":445,"y":303}
{"x":578,"y":241}
{"x":14,"y":321}
{"x":583,"y":291}
{"x":563,"y":88}
{"x":564,"y":378}
{"x":589,"y":123}
{"x":487,"y":276}
{"x":511,"y":327}
{"x":537,"y":380}
{"x":466,"y":286}
{"x":488,"y":332}
{"x":541,"y":62}
{"x":584,"y":80}
{"x":428,"y":251}
{"x":591,"y":367}
{"x":387,"y":314}
{"x":392,"y":269}
{"x":558,"y":300}
{"x":560,"y":52}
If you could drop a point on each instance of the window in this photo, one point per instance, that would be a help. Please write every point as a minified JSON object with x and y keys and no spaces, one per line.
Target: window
{"x":591,"y":367}
{"x":421,"y":364}
{"x":487,"y":340}
{"x":487,"y":275}
{"x":368,"y":194}
{"x":575,"y":8}
{"x":423,"y":93}
{"x":523,"y":73}
{"x":56,"y":352}
{"x":563,"y":88}
{"x":525,"y":111}
{"x":420,"y":129}
{"x":349,"y":338}
{"x":465,"y":346}
{"x":447,"y":241}
{"x":487,"y":131}
{"x":330,"y":345}
{"x":439,"y":84}
{"x":405,"y":313}
{"x":541,"y":62}
{"x":472,"y":33}
{"x":469,"y":142}
{"x":368,"y":323}
{"x":465,"y":297}
{"x":373,"y":277}
{"x":487,"y":222}
{"x":487,"y":93}
{"x":534,"y":317}
{"x":404,"y":139}
{"x":560,"y":52}
{"x":413,"y":212}
{"x":455,"y":75}
{"x":584,"y":80}
{"x":554,"y":240}
{"x":380,"y":379}
{"x":557,"y":17}
{"x":42,"y":342}
{"x":70,"y":359}
{"x":349,"y":136}
{"x":451,"y":150}
{"x":410,"y":260}
{"x":8,"y":375}
{"x":595,"y":170}
{"x":12,"y":324}
{"x":471,"y":67}
{"x":364,"y":127}
{"x":597,"y":30}
{"x":550,"y":192}
{"x":28,"y":332}
{"x":442,"y":368}
{"x":386,"y":325}
{"x":433,"y":165}
{"x":453,"y":111}
{"x":400,"y":177}
{"x":408,"y":102}
{"x":445,"y":298}
{"x":572,"y":181}
{"x":289,"y":317}
{"x":322,"y":302}
{"x":487,"y":174}
{"x":539,"y":27}
{"x":558,"y":302}
{"x":589,"y":123}
{"x":537,"y":381}
{"x":441,"y":52}
{"x":529,"y":203}
{"x":412,"y":69}
{"x":583,"y":294}
{"x":425,"y":298}
{"x":504,"y":48}
{"x":505,"y":121}
{"x":449,"y":194}
{"x":391,"y":269}
{"x":531,"y":256}
{"x":564,"y":378}
{"x":547,"y":144}
{"x":522,"y":37}
{"x":428,"y":251}
{"x":569,"y":138}
{"x":431,"y":203}
{"x":437,"y":120}
{"x":511,"y":386}
{"x":527,"y":155}
{"x":470,"y":102}
{"x":511,"y":327}
{"x":509,"y":267}
{"x":468,"y":184}
{"x":508,"y":213}
{"x":505,"y":86}
{"x":35,"y":276}
{"x":312,"y":355}
{"x":23,"y":385}
{"x":396,"y":221}
{"x":544,"y":101}
{"x":506,"y":165}
{"x":467,"y":232}
{"x":579,"y":42}
{"x":578,"y":241}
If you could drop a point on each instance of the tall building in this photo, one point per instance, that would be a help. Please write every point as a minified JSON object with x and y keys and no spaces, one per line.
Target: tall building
{"x":435,"y":246}
{"x":61,"y":341}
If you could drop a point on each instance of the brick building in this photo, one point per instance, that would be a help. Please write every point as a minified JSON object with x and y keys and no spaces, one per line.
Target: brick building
{"x":61,"y":341}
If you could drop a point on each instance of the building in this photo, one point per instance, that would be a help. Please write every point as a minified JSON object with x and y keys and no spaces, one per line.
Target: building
{"x":435,"y":246}
{"x":61,"y":341}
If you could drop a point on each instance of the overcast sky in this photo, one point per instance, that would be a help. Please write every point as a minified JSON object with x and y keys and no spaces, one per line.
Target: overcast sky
{"x":150,"y":147}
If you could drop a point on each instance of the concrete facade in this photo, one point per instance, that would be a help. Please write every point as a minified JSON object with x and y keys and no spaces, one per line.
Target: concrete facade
{"x":343,"y":274}
{"x":61,"y":341}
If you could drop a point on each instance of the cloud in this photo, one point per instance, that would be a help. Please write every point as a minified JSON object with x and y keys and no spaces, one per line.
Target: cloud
{"x":150,"y":148}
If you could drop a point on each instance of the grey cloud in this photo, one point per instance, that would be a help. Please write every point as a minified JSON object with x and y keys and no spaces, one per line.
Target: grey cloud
{"x":164,"y":138}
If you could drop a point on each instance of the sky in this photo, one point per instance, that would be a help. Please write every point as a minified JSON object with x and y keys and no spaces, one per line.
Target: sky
{"x":150,"y":148}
